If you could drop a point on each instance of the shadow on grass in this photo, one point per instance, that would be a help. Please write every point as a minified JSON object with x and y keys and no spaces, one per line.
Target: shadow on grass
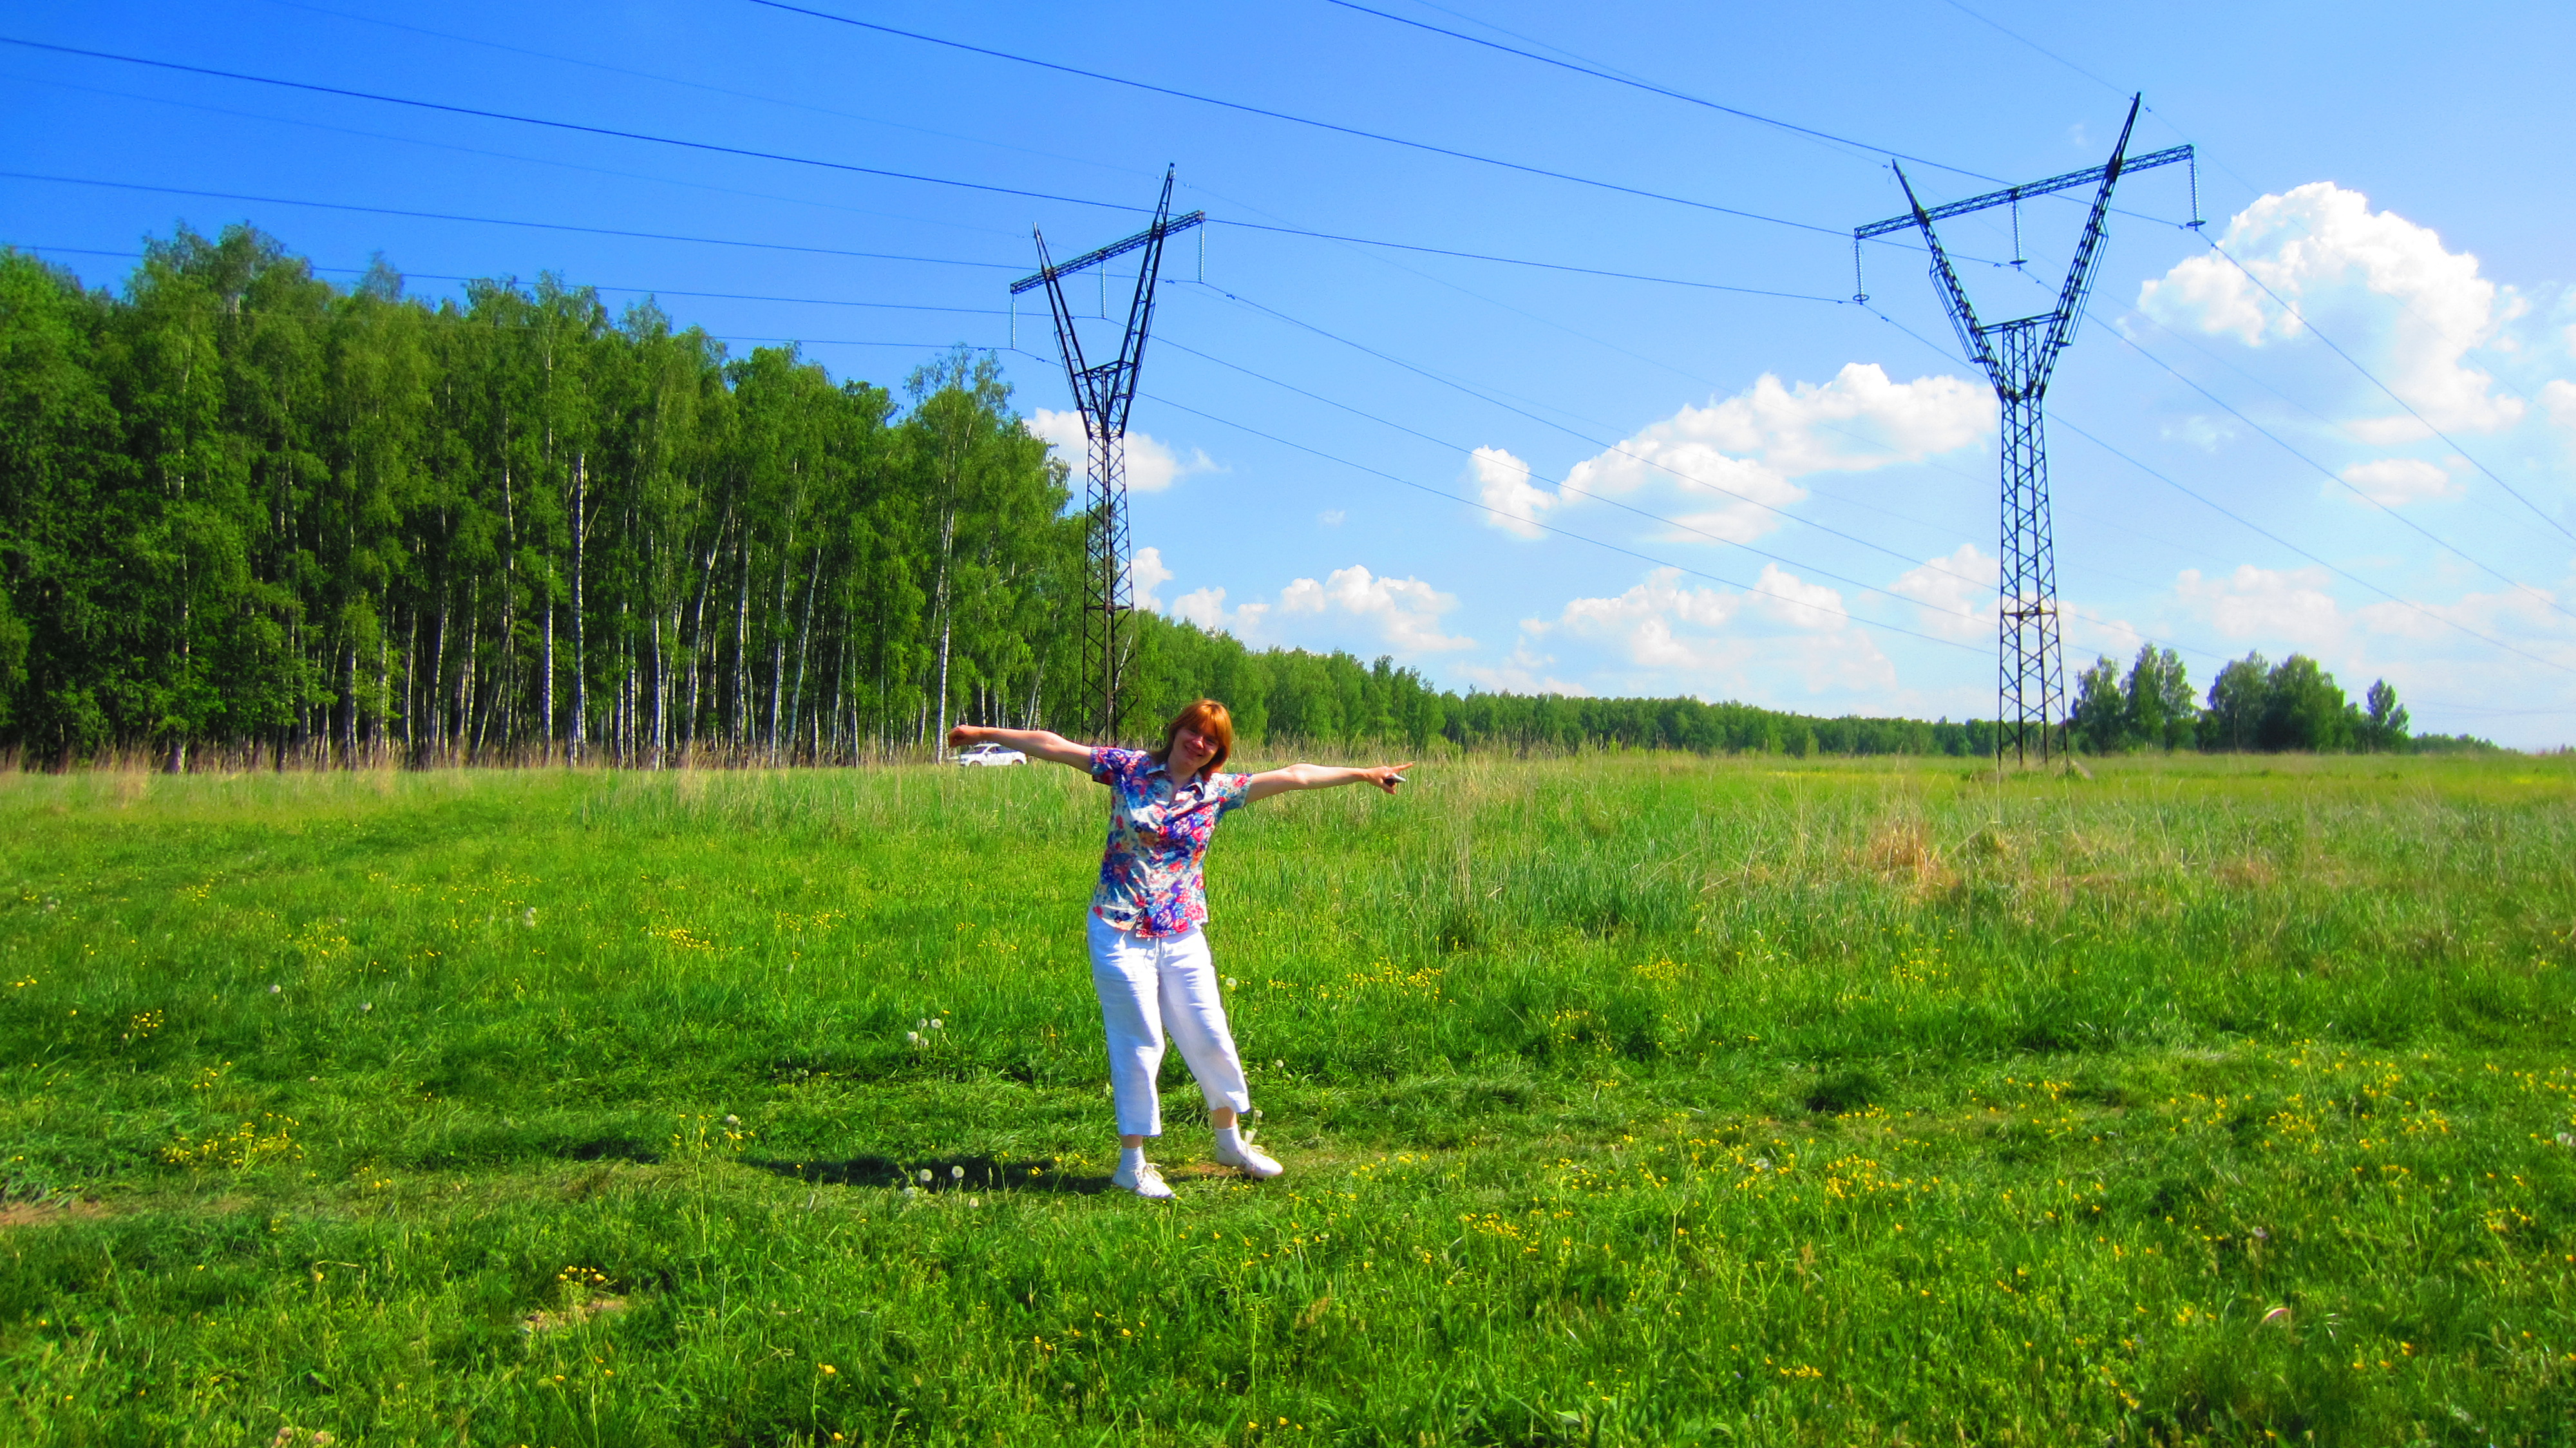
{"x":944,"y":1174}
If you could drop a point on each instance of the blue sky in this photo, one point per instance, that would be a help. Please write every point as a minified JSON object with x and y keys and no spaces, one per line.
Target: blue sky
{"x":1562,"y":481}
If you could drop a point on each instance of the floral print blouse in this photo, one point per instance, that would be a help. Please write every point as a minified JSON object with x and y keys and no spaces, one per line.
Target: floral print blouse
{"x":1158,"y":837}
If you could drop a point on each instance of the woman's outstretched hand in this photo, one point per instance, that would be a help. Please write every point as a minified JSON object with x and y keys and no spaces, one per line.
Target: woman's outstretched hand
{"x":1386,"y":776}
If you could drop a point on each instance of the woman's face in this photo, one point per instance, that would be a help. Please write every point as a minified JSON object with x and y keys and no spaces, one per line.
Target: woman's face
{"x":1191,"y":750}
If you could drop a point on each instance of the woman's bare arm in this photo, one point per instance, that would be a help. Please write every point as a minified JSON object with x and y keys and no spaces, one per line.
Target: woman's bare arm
{"x":1035,"y":743}
{"x":1322,"y":776}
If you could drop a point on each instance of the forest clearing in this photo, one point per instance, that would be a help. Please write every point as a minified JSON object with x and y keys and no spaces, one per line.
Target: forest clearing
{"x":1625,"y":1099}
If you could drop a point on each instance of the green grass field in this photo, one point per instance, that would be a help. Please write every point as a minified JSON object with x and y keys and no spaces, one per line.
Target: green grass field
{"x":1625,"y":1100}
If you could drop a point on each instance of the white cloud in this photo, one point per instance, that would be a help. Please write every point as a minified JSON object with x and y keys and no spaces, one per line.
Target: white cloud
{"x":1331,"y":517}
{"x":1152,"y":466}
{"x":1206,"y":608}
{"x":1955,"y":594}
{"x":1664,"y":637}
{"x":2393,"y":481}
{"x":2560,"y":398}
{"x":1752,"y":444}
{"x":1503,"y":483}
{"x":2287,"y":605}
{"x":1524,"y":671}
{"x":1145,"y":573}
{"x":2384,"y":283}
{"x":1405,"y":611}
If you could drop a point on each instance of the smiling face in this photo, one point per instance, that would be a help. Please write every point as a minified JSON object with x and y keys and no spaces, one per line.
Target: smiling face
{"x":1192,"y":751}
{"x":1199,"y":739}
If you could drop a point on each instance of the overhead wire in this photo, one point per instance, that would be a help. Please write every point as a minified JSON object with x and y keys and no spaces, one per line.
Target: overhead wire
{"x":409,"y":275}
{"x":1650,"y":87}
{"x":703,"y":86}
{"x":311,"y":125}
{"x":2393,"y":396}
{"x":2249,"y":524}
{"x":613,"y":132}
{"x":1649,"y":515}
{"x":1562,"y":532}
{"x":504,"y":221}
{"x":1610,"y":447}
{"x":1323,"y":125}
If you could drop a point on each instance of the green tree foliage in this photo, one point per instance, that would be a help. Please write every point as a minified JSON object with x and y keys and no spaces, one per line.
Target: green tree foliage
{"x":249,"y":512}
{"x":2151,"y":708}
{"x":2297,"y":705}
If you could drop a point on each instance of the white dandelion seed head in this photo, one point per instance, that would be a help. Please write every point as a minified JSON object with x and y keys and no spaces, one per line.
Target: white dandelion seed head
{"x":912,"y":1191}
{"x":913,"y":1036}
{"x":936,"y":1024}
{"x":272,"y":990}
{"x":922,"y":1025}
{"x":925,"y":1173}
{"x":371,"y":1005}
{"x":957,"y":1173}
{"x":732,"y":1120}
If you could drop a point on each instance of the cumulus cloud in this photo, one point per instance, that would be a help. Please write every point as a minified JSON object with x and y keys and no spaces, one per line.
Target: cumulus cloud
{"x":2289,"y":605}
{"x":2384,"y":283}
{"x":2393,"y":481}
{"x":1205,"y":607}
{"x":1152,"y":466}
{"x":2560,"y":398}
{"x":1145,"y":573}
{"x":1405,"y":611}
{"x":1954,"y":595}
{"x":1503,"y":484}
{"x":1663,"y":635}
{"x":1752,"y":445}
{"x":1331,"y":517}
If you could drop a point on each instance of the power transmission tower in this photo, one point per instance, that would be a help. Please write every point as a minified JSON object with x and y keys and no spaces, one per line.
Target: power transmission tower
{"x":2019,"y":356}
{"x":1104,"y":393}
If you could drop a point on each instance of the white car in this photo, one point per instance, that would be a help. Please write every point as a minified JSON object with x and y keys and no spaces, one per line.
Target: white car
{"x":991,"y":754}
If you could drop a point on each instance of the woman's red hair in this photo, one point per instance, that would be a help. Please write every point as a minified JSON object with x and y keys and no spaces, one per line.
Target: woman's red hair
{"x":1208,"y":717}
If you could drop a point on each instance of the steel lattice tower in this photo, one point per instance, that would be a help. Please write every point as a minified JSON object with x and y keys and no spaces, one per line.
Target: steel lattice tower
{"x":1105,"y":393}
{"x":2018,"y":357}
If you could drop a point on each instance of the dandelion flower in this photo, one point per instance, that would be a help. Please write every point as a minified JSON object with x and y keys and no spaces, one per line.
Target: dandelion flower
{"x":732,"y":1120}
{"x":1231,"y":982}
{"x":529,"y":917}
{"x":371,"y":1005}
{"x":830,"y":1371}
{"x":957,"y":1173}
{"x":922,"y":1025}
{"x":935,"y":1023}
{"x":913,"y":1036}
{"x":272,"y":990}
{"x":925,"y":1174}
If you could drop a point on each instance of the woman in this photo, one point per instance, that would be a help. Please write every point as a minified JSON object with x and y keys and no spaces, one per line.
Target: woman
{"x":1149,"y":959}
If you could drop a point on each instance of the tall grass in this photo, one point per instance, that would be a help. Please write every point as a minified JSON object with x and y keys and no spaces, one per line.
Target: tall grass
{"x":1626,"y":1100}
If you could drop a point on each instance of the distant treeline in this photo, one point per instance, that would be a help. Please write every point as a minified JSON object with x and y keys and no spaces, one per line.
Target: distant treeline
{"x":2253,"y":704}
{"x":245,"y":512}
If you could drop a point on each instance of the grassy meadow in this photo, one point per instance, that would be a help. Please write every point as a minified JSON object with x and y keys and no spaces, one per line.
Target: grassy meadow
{"x":1626,"y":1100}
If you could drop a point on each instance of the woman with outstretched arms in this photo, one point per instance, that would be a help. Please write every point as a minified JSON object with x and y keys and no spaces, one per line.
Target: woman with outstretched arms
{"x":1149,"y":957}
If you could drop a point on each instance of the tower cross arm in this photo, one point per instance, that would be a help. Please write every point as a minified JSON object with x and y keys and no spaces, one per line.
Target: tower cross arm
{"x":1097,"y":255}
{"x":2089,"y":176}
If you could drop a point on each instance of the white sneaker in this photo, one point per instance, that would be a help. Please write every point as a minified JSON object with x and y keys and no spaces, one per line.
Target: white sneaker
{"x":1145,"y":1181}
{"x":1250,"y":1160}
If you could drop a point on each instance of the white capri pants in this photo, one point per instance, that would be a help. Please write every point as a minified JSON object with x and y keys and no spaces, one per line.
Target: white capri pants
{"x":1148,"y":987}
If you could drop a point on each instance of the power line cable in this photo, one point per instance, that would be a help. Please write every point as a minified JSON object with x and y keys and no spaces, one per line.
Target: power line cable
{"x":574,"y":126}
{"x":502,"y":221}
{"x":1014,"y":234}
{"x":1320,"y":125}
{"x":2249,"y":524}
{"x":2340,"y":481}
{"x":1578,"y":537}
{"x":1667,"y":92}
{"x":408,"y":275}
{"x":845,"y":166}
{"x":2332,"y":346}
{"x":1663,"y":467}
{"x":1652,"y":517}
{"x":709,"y":89}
